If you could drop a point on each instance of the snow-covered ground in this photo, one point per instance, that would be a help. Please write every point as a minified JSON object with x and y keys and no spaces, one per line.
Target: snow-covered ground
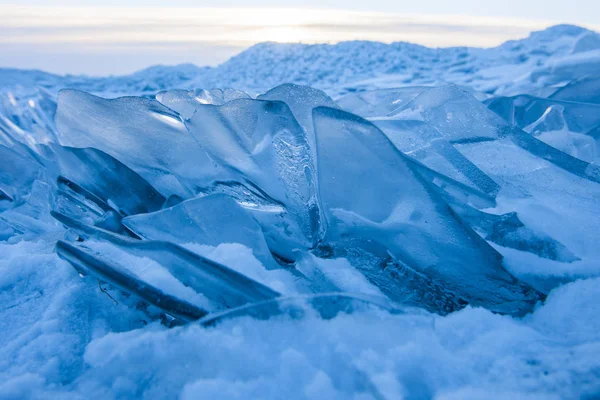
{"x":399,"y":222}
{"x":63,"y":338}
{"x":548,"y":58}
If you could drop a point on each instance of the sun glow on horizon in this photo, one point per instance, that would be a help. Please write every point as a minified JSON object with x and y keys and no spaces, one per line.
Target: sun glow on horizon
{"x":244,"y":25}
{"x":183,"y":34}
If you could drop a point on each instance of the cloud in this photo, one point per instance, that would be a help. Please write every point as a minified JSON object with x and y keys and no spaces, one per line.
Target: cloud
{"x":28,"y":31}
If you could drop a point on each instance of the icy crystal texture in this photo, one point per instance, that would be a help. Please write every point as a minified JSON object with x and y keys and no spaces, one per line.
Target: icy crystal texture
{"x":209,"y":220}
{"x":316,"y":240}
{"x":135,"y":131}
{"x":100,"y":250}
{"x":400,"y":200}
{"x":411,"y":221}
{"x":295,"y":180}
{"x":430,"y":202}
{"x":262,"y":145}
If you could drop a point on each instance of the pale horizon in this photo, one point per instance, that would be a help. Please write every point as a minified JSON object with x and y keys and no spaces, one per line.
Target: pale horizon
{"x":111,"y":40}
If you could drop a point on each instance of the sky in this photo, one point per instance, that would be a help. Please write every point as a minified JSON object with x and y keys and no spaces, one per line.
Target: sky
{"x":96,"y":37}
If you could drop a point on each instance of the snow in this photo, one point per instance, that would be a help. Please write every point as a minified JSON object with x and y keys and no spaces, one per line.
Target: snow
{"x":511,"y":68}
{"x":241,"y":259}
{"x":401,"y":256}
{"x":66,"y":339}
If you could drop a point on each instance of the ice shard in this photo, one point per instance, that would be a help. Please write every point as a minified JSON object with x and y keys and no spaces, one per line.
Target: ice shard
{"x":553,"y":119}
{"x":283,"y":235}
{"x":552,"y":128}
{"x":31,"y":216}
{"x":4,"y":198}
{"x":394,"y":210}
{"x":264,"y":147}
{"x":18,"y":171}
{"x":523,"y":110}
{"x":426,"y":144}
{"x":584,"y":90}
{"x":325,"y":305}
{"x":221,"y":285}
{"x":27,"y":116}
{"x":185,"y":102}
{"x":464,"y":121}
{"x":378,"y":103}
{"x":301,"y":100}
{"x":509,"y":231}
{"x":209,"y":220}
{"x":143,"y":134}
{"x":77,"y":203}
{"x":506,"y":229}
{"x":109,"y":181}
{"x":568,"y":126}
{"x":456,"y":115}
{"x":456,"y":191}
{"x":105,"y":268}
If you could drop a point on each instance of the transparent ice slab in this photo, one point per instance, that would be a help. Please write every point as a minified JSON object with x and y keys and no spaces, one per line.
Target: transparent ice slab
{"x":209,"y":220}
{"x":146,"y":136}
{"x":390,"y":208}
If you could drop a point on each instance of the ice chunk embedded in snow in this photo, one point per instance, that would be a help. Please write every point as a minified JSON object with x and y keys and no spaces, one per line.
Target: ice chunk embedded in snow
{"x":565,"y":125}
{"x":27,"y":116}
{"x":509,"y":231}
{"x":425,"y":143}
{"x":107,"y":179}
{"x":326,"y":306}
{"x":378,"y":103}
{"x":301,"y":100}
{"x":209,"y":220}
{"x":221,"y":285}
{"x":585,"y":90}
{"x":462,"y":120}
{"x":185,"y":102}
{"x":262,"y":145}
{"x":17,"y":173}
{"x":392,"y":206}
{"x":143,"y":134}
{"x":119,"y":269}
{"x":30,"y":217}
